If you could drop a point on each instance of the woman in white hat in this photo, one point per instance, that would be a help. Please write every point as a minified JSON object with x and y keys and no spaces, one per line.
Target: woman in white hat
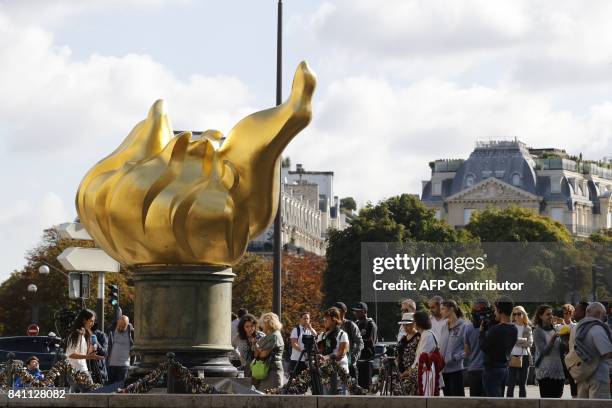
{"x":406,"y":354}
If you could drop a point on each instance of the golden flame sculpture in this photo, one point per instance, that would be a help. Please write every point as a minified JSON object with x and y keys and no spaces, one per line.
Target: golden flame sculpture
{"x":165,"y":199}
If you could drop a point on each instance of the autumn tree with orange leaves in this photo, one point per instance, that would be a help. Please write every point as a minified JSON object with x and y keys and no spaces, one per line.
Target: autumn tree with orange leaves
{"x":301,"y":286}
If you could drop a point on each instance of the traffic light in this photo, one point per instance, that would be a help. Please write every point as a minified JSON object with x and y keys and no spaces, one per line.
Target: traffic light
{"x":114,"y":294}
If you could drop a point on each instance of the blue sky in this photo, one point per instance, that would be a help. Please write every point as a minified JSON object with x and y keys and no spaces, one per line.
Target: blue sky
{"x":401,"y":82}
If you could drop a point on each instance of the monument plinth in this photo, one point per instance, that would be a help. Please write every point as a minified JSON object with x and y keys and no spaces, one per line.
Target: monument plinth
{"x":184,"y":310}
{"x":180,"y":211}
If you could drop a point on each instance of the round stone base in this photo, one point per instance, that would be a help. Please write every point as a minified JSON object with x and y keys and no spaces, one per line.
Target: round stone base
{"x":185,"y":310}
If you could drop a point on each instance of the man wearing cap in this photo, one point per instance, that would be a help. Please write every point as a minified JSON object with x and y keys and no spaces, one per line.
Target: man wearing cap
{"x":369,"y":333}
{"x":355,"y":339}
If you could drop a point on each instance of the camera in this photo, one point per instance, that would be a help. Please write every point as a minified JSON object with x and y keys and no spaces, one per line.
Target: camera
{"x":309,"y":342}
{"x":485,"y":316}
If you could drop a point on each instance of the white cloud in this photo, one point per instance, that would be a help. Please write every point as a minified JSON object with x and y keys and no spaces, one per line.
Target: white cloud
{"x":22,"y":224}
{"x":382,"y":136}
{"x":401,"y":83}
{"x":59,"y":116}
{"x":545,"y":43}
{"x":35,"y":12}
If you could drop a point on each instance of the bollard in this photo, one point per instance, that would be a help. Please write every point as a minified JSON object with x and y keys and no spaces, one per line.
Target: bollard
{"x":10,"y":370}
{"x":62,"y":380}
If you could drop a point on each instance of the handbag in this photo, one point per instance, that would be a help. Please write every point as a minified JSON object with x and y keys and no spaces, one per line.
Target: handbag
{"x":259,"y":369}
{"x":516,"y":362}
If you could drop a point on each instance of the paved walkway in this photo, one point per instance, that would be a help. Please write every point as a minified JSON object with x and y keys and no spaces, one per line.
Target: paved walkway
{"x":534,"y":392}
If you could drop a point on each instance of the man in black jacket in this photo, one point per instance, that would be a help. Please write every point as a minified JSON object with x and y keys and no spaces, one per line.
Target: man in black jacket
{"x":355,"y":340}
{"x":369,"y":333}
{"x":120,"y":344}
{"x":496,"y":344}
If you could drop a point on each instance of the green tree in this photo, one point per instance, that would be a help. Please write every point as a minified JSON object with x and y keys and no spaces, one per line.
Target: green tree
{"x":539,"y":265}
{"x":516,"y":224}
{"x":398,"y":219}
{"x":348,"y":203}
{"x":52,"y":294}
{"x":601,"y":264}
{"x":602,"y":236}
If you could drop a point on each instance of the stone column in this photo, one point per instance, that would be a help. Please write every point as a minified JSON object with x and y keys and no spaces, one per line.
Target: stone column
{"x":184,"y":309}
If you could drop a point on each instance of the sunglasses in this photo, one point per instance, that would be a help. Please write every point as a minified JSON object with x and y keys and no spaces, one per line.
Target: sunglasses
{"x":517,"y":314}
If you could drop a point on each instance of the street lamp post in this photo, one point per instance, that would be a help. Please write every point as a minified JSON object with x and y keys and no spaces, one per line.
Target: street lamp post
{"x":276,"y":261}
{"x":32,"y":289}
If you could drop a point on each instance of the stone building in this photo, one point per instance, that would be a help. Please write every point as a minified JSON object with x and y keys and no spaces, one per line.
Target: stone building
{"x":570,"y":190}
{"x":308,"y":210}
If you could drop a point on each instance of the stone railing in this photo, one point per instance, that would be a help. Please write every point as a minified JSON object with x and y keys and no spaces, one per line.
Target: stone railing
{"x":294,"y":401}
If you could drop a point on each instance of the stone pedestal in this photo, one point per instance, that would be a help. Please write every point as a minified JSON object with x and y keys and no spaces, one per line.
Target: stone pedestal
{"x":185,"y":310}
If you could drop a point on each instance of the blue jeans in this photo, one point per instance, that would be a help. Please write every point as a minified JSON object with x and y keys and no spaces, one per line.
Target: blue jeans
{"x":117,"y":374}
{"x":494,"y":381}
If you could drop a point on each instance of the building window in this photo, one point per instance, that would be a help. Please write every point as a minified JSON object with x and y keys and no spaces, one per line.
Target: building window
{"x":469,"y":180}
{"x":555,"y":185}
{"x":438,"y":214}
{"x":437,"y":189}
{"x":516,"y":179}
{"x":557,"y":214}
{"x":467,"y":214}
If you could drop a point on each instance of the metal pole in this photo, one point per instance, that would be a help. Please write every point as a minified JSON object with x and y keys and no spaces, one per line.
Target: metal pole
{"x":81,"y":290}
{"x":35,"y":312}
{"x":276,"y":264}
{"x":100,"y":301}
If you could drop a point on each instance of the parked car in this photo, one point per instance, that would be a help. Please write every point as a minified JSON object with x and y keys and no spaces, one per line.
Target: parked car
{"x":44,"y":347}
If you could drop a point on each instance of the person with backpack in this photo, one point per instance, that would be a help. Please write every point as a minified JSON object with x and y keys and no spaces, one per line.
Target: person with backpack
{"x":297,"y":345}
{"x":120,"y":344}
{"x":591,"y":354}
{"x":369,"y":333}
{"x":354,"y":336}
{"x":334,"y":345}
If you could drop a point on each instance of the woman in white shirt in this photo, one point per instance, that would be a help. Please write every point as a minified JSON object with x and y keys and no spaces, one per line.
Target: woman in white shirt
{"x":520,"y":353}
{"x":79,"y":347}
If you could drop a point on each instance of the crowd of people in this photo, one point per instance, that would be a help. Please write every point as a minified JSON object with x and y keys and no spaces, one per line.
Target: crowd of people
{"x":104,"y":358}
{"x":442,"y":351}
{"x":438,"y":351}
